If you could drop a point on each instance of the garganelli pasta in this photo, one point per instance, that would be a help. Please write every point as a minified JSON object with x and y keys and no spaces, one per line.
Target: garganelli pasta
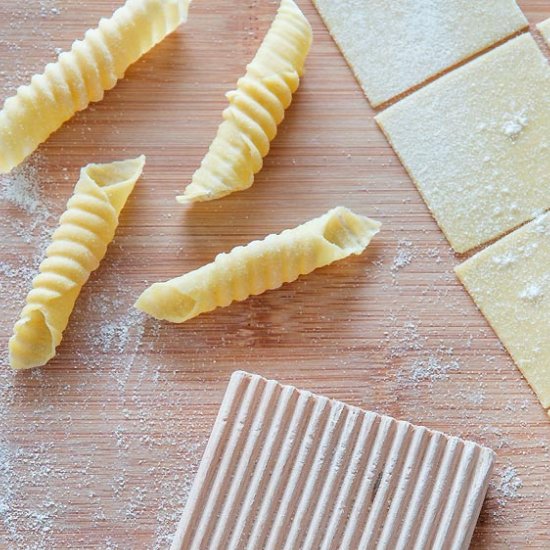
{"x":78,"y":245}
{"x":81,"y":75}
{"x":255,"y":109}
{"x":260,"y":266}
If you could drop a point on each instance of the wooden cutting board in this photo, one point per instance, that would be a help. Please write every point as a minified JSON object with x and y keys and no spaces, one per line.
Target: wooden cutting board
{"x":98,"y":450}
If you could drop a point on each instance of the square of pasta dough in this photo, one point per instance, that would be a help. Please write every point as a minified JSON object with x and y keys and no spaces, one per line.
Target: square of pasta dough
{"x":510,"y":283}
{"x":394,"y":46}
{"x":544,"y":29}
{"x":476,"y":142}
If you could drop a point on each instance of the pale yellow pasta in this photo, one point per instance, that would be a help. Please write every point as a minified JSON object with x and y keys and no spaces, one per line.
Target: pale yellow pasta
{"x":82,"y":75}
{"x":260,"y":266}
{"x":510,"y":283}
{"x":255,"y":109}
{"x":78,"y":245}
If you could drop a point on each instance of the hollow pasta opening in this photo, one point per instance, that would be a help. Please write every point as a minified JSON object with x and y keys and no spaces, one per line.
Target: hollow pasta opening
{"x":342,"y":230}
{"x":32,"y":345}
{"x":166,"y":303}
{"x":115,"y":173}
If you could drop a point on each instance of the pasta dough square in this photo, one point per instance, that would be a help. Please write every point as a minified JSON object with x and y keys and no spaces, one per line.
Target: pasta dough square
{"x":395,"y":46}
{"x":477,"y":143}
{"x":510,"y":283}
{"x":544,"y":29}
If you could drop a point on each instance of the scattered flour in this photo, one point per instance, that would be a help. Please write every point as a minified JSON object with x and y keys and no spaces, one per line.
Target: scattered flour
{"x":474,"y":397}
{"x":28,"y":209}
{"x":433,"y":368}
{"x":114,"y":335}
{"x":27,"y":225}
{"x":532,"y":292}
{"x":50,"y":8}
{"x":21,"y":188}
{"x":23,"y":274}
{"x":404,"y":255}
{"x":514,"y":124}
{"x":508,"y":484}
{"x":434,"y":254}
{"x":506,"y":259}
{"x":403,"y":340}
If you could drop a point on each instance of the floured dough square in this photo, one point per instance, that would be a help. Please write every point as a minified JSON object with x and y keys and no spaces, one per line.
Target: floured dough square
{"x":544,"y":29}
{"x":510,"y":283}
{"x":477,"y":143}
{"x":394,"y":46}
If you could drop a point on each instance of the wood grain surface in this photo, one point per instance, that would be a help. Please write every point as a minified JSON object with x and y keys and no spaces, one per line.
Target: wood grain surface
{"x":98,"y":449}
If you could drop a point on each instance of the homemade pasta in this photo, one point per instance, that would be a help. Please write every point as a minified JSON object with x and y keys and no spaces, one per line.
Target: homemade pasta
{"x":475,"y":143}
{"x":255,"y":109}
{"x":260,"y":266}
{"x":81,"y":75}
{"x":392,"y":47}
{"x":510,"y":283}
{"x":78,"y":246}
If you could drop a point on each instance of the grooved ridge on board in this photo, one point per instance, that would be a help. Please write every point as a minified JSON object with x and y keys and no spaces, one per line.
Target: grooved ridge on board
{"x":287,"y":469}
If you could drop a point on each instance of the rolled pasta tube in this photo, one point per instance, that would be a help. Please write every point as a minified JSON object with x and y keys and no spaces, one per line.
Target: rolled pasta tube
{"x":255,"y":109}
{"x":260,"y":266}
{"x":81,"y":75}
{"x":78,"y":245}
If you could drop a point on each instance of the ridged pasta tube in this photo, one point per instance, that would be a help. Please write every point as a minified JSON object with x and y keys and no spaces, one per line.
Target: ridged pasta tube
{"x":78,"y":246}
{"x":81,"y":75}
{"x":260,"y":266}
{"x":255,"y":109}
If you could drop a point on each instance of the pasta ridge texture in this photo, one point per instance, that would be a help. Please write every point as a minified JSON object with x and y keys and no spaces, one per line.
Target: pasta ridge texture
{"x":255,"y":110}
{"x":83,"y":74}
{"x":78,"y":245}
{"x":260,"y":265}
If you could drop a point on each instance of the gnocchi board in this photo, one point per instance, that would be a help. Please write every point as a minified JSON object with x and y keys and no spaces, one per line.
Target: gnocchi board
{"x":98,"y":450}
